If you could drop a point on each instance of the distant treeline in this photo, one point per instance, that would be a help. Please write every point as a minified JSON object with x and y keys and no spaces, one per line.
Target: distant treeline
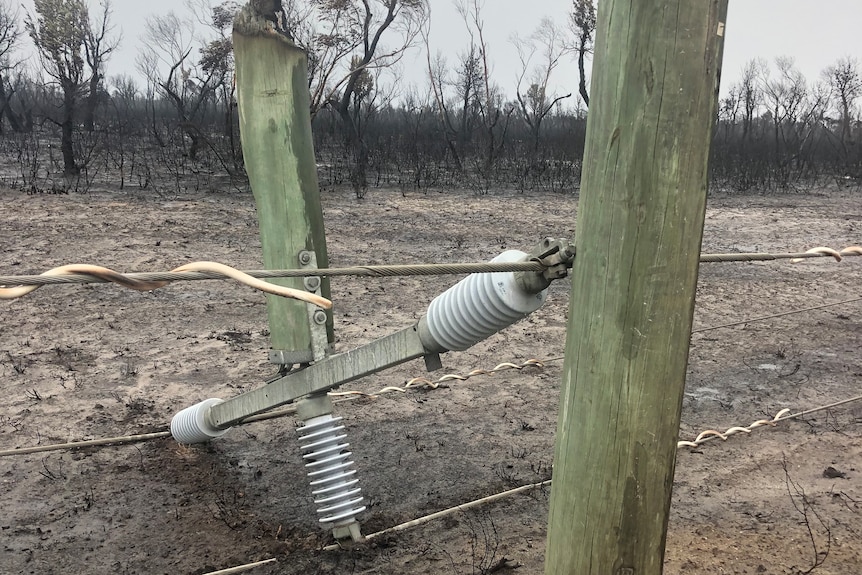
{"x":65,"y":126}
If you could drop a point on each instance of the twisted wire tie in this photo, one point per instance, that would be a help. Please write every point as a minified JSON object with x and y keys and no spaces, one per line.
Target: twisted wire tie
{"x":782,"y":415}
{"x":830,"y":252}
{"x":85,"y":273}
{"x":100,"y":273}
{"x":421,"y":382}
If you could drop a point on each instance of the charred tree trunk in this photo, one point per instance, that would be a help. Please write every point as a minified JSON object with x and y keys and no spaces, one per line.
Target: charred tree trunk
{"x":67,"y":130}
{"x":195,"y":143}
{"x":582,"y":75}
{"x":91,"y":103}
{"x":359,"y":152}
{"x":7,"y":111}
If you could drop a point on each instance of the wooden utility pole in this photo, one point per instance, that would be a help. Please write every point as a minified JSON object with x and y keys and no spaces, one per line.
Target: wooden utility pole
{"x":639,"y":227}
{"x":278,"y":151}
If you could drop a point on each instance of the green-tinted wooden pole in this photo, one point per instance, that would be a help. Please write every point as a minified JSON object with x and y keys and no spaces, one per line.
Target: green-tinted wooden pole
{"x":639,"y":227}
{"x":275,"y":130}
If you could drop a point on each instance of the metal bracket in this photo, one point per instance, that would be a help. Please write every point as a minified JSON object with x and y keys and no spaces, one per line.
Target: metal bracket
{"x":322,"y":376}
{"x":288,"y":358}
{"x":313,"y":406}
{"x":317,"y":317}
{"x":433,"y":362}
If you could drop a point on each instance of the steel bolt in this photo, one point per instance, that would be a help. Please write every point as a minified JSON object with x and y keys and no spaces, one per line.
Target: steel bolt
{"x":311,"y":283}
{"x":320,"y":317}
{"x":304,"y":257}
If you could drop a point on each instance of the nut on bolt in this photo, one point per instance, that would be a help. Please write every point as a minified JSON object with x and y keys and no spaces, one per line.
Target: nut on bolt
{"x":305,"y":257}
{"x":320,"y":317}
{"x":311,"y":283}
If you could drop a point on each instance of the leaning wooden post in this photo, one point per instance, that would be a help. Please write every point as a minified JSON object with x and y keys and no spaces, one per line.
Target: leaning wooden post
{"x":639,"y":227}
{"x":278,"y":151}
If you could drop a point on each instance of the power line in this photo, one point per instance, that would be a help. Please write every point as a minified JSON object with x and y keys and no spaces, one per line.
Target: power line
{"x":389,"y":270}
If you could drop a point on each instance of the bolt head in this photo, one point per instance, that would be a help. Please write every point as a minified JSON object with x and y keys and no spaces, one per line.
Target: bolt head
{"x":312,"y":283}
{"x":320,"y":317}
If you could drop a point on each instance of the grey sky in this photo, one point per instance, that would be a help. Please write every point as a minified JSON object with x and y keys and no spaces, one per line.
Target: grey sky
{"x":815,"y":34}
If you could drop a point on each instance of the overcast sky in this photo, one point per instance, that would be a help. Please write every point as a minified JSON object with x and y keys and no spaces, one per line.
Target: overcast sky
{"x":815,"y":34}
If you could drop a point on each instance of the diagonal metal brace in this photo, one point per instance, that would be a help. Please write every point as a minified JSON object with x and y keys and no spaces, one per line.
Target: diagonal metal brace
{"x":320,"y":377}
{"x":376,"y":356}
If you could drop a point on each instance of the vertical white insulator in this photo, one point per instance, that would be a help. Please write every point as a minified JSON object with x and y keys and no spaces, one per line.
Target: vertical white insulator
{"x":330,"y":470}
{"x":479,"y":306}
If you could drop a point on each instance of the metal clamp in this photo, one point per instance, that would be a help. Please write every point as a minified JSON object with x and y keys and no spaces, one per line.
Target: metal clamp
{"x":557,"y":257}
{"x":316,"y":320}
{"x":316,"y":316}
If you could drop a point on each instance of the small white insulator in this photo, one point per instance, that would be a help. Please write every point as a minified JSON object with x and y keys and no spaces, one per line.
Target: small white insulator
{"x":333,"y":482}
{"x":479,"y":306}
{"x":191,"y":425}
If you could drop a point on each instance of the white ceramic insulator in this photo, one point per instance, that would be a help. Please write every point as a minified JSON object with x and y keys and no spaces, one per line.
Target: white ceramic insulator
{"x":191,"y":425}
{"x":333,"y":482}
{"x":480,"y":305}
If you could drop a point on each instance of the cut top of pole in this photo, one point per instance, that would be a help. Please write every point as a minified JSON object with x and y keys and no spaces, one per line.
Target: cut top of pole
{"x":278,"y":151}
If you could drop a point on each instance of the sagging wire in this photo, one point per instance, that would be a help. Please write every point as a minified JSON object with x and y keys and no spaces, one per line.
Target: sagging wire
{"x":703,"y":437}
{"x":440,"y":514}
{"x":775,"y":315}
{"x":339,"y":396}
